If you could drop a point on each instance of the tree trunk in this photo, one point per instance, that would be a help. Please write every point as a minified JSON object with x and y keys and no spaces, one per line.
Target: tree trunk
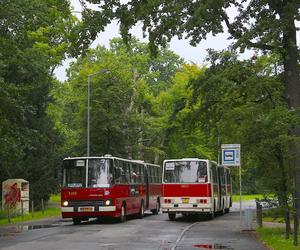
{"x":292,"y":96}
{"x":283,"y":193}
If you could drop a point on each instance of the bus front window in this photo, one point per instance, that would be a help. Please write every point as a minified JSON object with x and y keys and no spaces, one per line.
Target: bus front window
{"x":99,"y":172}
{"x":74,"y":173}
{"x":185,"y":172}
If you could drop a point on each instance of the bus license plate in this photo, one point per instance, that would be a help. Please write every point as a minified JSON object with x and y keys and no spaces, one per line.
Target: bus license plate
{"x":86,"y":209}
{"x":185,"y":200}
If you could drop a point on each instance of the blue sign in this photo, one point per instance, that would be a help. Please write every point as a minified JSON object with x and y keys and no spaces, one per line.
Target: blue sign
{"x":231,"y":154}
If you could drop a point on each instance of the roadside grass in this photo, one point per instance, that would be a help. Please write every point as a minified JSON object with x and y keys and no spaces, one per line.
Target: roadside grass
{"x":37,"y":215}
{"x":247,"y":197}
{"x":55,"y":198}
{"x":275,"y":240}
{"x":49,"y":211}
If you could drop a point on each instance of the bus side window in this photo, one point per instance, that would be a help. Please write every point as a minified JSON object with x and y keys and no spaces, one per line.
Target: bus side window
{"x":141,"y":173}
{"x":150,"y":175}
{"x":215,"y":174}
{"x":201,"y":172}
{"x":134,"y":173}
{"x":124,"y":172}
{"x":127,"y":172}
{"x":116,"y":172}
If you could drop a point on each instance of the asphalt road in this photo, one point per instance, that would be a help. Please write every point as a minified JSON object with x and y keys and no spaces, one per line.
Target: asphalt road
{"x":152,"y":232}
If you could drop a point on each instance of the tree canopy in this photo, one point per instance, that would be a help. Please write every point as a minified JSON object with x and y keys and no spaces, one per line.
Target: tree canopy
{"x":34,"y":40}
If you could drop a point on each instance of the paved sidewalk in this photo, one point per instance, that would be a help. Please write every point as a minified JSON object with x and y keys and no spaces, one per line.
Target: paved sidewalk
{"x":221,"y":233}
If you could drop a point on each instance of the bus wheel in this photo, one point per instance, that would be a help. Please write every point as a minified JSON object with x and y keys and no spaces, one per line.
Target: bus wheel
{"x":76,"y":221}
{"x":172,"y":216}
{"x":123,"y":213}
{"x":227,"y":210}
{"x":141,"y":213}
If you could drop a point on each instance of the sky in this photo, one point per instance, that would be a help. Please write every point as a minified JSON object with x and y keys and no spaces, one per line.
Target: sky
{"x":181,"y":47}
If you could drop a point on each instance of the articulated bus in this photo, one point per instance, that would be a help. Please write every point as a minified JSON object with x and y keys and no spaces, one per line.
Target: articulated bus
{"x":109,"y":186}
{"x":195,"y":186}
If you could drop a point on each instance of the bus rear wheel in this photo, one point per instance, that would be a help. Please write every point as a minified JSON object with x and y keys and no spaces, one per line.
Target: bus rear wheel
{"x":172,"y":216}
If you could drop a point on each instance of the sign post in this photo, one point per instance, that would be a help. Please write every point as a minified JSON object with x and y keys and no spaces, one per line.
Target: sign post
{"x":231,"y":156}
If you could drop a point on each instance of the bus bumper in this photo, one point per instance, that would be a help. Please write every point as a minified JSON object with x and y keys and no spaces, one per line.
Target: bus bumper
{"x":184,"y":208}
{"x":187,"y":210}
{"x":69,"y":212}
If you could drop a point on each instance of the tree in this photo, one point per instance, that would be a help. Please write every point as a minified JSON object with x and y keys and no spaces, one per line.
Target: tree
{"x":178,"y":137}
{"x":242,"y":101}
{"x":35,"y":38}
{"x":267,"y":25}
{"x":121,"y":100}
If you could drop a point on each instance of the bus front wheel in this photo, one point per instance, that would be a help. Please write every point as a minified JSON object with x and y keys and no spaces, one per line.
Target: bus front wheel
{"x":172,"y":216}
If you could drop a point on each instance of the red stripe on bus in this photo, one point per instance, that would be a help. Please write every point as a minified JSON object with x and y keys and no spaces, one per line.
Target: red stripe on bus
{"x":188,"y":190}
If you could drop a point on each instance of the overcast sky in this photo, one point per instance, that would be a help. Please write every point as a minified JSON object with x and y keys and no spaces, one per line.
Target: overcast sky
{"x":181,"y":47}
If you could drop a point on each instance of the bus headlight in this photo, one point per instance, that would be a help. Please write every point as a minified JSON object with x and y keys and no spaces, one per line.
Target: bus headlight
{"x":65,"y":203}
{"x":107,"y":202}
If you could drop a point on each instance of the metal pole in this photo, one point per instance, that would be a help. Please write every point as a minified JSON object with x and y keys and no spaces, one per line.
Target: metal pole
{"x":88,"y":120}
{"x":22,"y":209}
{"x":8,"y":213}
{"x":43,"y":208}
{"x":32,"y":208}
{"x":240,"y":174}
{"x":218,"y":148}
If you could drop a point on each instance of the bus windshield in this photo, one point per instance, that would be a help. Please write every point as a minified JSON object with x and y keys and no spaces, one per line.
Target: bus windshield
{"x":185,"y":172}
{"x":98,"y":173}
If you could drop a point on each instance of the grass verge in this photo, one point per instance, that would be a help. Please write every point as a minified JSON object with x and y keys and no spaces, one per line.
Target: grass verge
{"x":275,"y":240}
{"x":49,"y":212}
{"x":247,"y":197}
{"x":55,"y":198}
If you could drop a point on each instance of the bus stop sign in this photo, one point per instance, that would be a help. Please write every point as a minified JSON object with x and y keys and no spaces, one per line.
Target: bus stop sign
{"x":231,"y":154}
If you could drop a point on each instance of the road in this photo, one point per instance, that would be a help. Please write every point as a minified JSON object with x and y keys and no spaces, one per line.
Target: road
{"x":152,"y":232}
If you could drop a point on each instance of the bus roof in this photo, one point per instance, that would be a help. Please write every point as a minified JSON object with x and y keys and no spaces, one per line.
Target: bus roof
{"x":187,"y":159}
{"x":109,"y":157}
{"x":190,"y":159}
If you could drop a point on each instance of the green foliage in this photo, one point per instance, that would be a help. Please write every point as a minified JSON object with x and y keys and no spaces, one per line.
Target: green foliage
{"x":274,"y":238}
{"x":55,"y":198}
{"x":241,"y":101}
{"x":123,"y":96}
{"x":247,"y":197}
{"x":34,"y":40}
{"x":162,"y":20}
{"x":180,"y":138}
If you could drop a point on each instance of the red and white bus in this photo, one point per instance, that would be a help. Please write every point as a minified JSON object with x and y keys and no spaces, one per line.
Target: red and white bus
{"x":109,"y":186}
{"x":195,"y":186}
